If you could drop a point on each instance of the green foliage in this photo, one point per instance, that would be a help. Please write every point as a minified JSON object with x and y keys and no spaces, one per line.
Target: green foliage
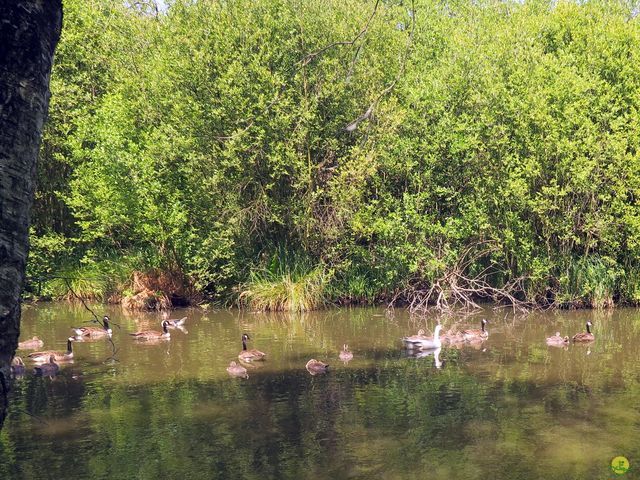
{"x":289,"y":282}
{"x":98,"y":280}
{"x":589,"y":281}
{"x":202,"y":134}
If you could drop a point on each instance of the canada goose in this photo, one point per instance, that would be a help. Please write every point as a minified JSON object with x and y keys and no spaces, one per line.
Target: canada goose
{"x":17,"y":366}
{"x":41,"y":357}
{"x":410,"y":341}
{"x":153,"y":334}
{"x":47,"y":369}
{"x":236,"y":370}
{"x":426,"y":343}
{"x":314,"y":367}
{"x":476,"y":334}
{"x":31,"y":344}
{"x":557,"y":340}
{"x":585,"y":337}
{"x":179,"y":322}
{"x":94,"y":331}
{"x":345,"y":354}
{"x":249,"y":355}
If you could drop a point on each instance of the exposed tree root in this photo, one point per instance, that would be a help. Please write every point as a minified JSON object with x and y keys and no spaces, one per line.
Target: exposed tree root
{"x":457,"y":289}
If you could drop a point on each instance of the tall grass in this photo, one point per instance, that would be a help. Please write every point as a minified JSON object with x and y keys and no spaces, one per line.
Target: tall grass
{"x":102,"y":281}
{"x":588,"y":282}
{"x":288,"y":282}
{"x":630,"y":286}
{"x":356,"y":286}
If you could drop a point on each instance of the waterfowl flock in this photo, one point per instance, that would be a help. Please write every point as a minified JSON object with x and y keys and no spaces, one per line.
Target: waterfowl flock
{"x":419,"y":345}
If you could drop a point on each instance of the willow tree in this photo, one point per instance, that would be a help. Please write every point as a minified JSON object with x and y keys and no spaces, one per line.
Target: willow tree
{"x":29,"y":32}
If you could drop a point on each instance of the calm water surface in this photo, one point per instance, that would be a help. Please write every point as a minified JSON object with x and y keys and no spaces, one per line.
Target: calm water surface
{"x":512,"y":408}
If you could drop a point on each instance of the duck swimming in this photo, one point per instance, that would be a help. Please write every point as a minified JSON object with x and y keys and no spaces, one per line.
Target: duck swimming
{"x":31,"y":344}
{"x":345,"y":354}
{"x":425,"y":342}
{"x":153,"y":334}
{"x":104,"y":331}
{"x":315,"y":367}
{"x":47,"y":369}
{"x":249,"y":355}
{"x":474,"y":334}
{"x":585,"y":337}
{"x":236,"y":370}
{"x":58,"y":356}
{"x":557,"y":340}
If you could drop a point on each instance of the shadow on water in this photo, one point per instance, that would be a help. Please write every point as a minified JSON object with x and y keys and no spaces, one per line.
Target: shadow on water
{"x":513,"y":408}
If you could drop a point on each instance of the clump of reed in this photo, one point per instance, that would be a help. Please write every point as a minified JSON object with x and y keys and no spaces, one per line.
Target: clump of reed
{"x":97,"y":281}
{"x":289,"y":282}
{"x":589,"y":282}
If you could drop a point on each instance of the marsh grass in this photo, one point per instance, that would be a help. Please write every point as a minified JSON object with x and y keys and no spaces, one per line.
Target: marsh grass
{"x":101,"y":281}
{"x":289,"y":282}
{"x":588,"y":282}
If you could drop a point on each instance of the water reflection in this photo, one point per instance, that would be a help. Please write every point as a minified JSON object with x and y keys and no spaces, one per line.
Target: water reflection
{"x":512,"y":408}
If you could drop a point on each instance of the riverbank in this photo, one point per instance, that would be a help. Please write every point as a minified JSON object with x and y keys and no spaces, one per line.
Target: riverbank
{"x":304,"y":287}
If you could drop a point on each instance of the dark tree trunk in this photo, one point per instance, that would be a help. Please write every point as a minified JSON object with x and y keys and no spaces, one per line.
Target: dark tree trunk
{"x":29,"y":32}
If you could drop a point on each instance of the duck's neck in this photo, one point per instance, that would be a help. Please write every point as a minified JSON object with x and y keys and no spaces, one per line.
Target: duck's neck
{"x":106,"y":325}
{"x":244,"y":345}
{"x":164,"y":328}
{"x":482,"y":327}
{"x":588,"y":328}
{"x":69,"y":349}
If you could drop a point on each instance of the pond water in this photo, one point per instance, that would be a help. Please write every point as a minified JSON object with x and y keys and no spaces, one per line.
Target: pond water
{"x":508,"y":408}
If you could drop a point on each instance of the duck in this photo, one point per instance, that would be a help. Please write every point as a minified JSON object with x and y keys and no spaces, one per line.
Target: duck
{"x":153,"y":334}
{"x":31,"y":344}
{"x":585,"y":337}
{"x":103,"y":331}
{"x":558,"y":340}
{"x":315,"y":367}
{"x":17,"y":366}
{"x":345,"y":354}
{"x":41,"y":357}
{"x":426,"y":343}
{"x":410,"y":341}
{"x":176,"y":322}
{"x":249,"y":355}
{"x":47,"y":369}
{"x":476,"y":334}
{"x":236,"y":370}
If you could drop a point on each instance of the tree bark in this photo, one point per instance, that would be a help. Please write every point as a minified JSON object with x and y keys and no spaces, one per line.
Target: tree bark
{"x":29,"y":32}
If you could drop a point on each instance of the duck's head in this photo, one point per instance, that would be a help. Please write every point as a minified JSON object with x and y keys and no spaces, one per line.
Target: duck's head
{"x":484,"y":321}
{"x":245,"y":337}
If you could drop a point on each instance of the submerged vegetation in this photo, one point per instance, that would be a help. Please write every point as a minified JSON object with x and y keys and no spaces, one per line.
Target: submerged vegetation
{"x":425,"y":152}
